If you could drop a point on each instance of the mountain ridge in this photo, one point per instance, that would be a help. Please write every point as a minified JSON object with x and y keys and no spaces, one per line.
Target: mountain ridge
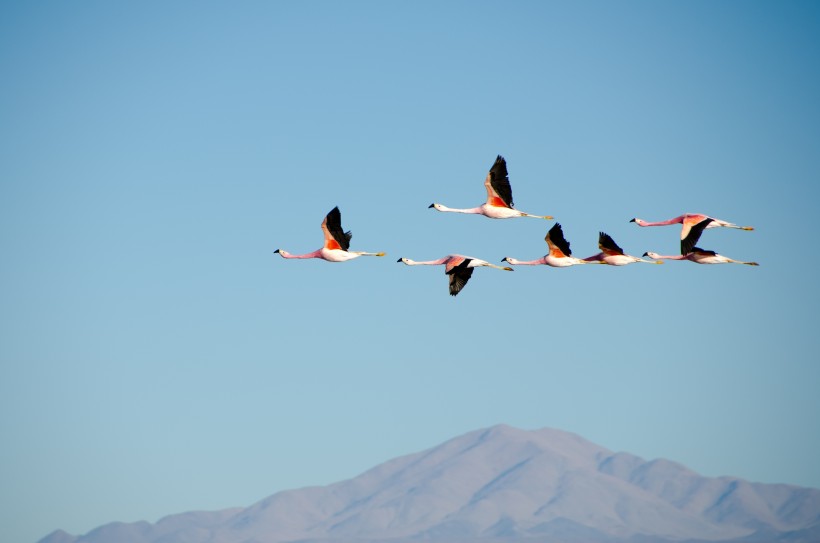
{"x":499,"y":483}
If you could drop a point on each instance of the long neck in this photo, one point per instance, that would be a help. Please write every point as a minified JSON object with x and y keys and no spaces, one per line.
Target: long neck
{"x":516,"y":262}
{"x":314,"y":254}
{"x":472,"y":210}
{"x":425,"y":262}
{"x":672,"y":257}
{"x":676,"y":220}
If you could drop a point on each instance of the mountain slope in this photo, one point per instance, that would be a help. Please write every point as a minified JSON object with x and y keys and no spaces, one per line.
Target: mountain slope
{"x":502,"y":484}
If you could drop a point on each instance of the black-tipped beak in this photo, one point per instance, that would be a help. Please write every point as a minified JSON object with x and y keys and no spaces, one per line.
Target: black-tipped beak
{"x":399,"y":260}
{"x":646,"y":254}
{"x":276,"y":251}
{"x":504,"y":259}
{"x":431,"y":205}
{"x":631,"y":220}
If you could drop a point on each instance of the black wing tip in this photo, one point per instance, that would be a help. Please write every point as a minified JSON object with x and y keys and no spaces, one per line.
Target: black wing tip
{"x":687,"y":245}
{"x":605,"y":240}
{"x":556,"y":234}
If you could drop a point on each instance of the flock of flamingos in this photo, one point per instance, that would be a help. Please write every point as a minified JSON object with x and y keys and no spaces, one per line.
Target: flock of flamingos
{"x":499,"y":205}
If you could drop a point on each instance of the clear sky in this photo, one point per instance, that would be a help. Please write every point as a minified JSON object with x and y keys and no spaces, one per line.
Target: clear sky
{"x":156,"y":356}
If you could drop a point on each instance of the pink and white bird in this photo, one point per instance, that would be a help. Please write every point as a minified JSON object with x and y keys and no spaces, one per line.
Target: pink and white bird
{"x":499,"y":204}
{"x":559,"y":256}
{"x":458,"y":267}
{"x":337,"y":242}
{"x":696,"y":254}
{"x":613,"y":255}
{"x":699,"y":256}
{"x":688,"y":220}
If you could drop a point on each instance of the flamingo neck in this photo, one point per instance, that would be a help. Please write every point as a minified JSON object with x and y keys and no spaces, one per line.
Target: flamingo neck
{"x":671,"y":257}
{"x":425,"y":262}
{"x":314,"y":254}
{"x":676,"y":220}
{"x":472,"y":210}
{"x":537,"y":262}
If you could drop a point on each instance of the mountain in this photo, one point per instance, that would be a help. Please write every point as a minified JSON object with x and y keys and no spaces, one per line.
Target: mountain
{"x":503,"y":484}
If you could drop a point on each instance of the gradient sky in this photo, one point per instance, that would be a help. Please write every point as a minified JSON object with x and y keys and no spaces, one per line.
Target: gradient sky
{"x":156,"y":356}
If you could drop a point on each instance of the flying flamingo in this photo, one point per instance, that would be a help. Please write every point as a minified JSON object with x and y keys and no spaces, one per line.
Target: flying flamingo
{"x":699,"y":256}
{"x":499,"y":203}
{"x":696,"y":254}
{"x":559,"y":255}
{"x":336,"y":244}
{"x":613,"y":255}
{"x":458,"y":267}
{"x":688,"y":220}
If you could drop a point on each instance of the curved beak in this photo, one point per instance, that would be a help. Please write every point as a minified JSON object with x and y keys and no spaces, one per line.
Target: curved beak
{"x":504,"y":259}
{"x":431,"y":205}
{"x":399,"y":260}
{"x":646,"y":254}
{"x":631,"y":220}
{"x":276,"y":251}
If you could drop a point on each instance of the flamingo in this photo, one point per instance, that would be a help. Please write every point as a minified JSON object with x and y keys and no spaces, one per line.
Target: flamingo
{"x":559,"y":255}
{"x":458,"y":267}
{"x":499,"y":203}
{"x":688,"y":220}
{"x":336,"y":244}
{"x":613,"y":255}
{"x":699,"y":256}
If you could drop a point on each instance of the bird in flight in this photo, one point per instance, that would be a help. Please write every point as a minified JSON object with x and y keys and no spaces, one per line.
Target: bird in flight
{"x":559,"y":255}
{"x":688,"y":220}
{"x":613,"y":255}
{"x":699,"y":256}
{"x":337,"y":242}
{"x":458,"y":267}
{"x":499,"y":204}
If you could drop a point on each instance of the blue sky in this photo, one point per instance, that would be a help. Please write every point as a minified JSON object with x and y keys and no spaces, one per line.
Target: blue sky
{"x":156,"y":356}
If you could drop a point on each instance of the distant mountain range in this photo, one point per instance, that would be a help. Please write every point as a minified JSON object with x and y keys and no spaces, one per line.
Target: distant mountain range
{"x":502,"y":485}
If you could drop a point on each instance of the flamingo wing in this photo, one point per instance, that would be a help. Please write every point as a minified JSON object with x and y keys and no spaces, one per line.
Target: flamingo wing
{"x":499,"y":192}
{"x":559,"y":247}
{"x":687,"y":245}
{"x":335,"y":236}
{"x":703,"y":252}
{"x":459,"y":275}
{"x":689,"y":220}
{"x":608,"y":245}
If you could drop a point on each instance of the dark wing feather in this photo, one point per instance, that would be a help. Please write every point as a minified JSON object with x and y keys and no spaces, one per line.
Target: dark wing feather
{"x":334,"y":226}
{"x":459,"y":276}
{"x":556,"y":235}
{"x":687,"y":244}
{"x":500,"y":182}
{"x":608,"y":245}
{"x":703,"y":251}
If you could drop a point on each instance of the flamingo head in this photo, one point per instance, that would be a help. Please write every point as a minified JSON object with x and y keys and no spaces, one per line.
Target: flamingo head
{"x":435,"y":206}
{"x":402,"y":259}
{"x":283,"y":253}
{"x":653,"y":256}
{"x":639,"y":222}
{"x":505,"y":259}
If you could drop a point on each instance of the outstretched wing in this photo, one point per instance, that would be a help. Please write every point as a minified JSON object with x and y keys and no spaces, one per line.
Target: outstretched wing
{"x":688,"y":220}
{"x":335,"y":236}
{"x":559,"y":247}
{"x":608,"y":245}
{"x":687,"y":245}
{"x":459,"y":275}
{"x":499,"y":192}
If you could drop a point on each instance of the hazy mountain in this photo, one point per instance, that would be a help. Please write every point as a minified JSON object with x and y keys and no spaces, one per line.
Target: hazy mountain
{"x":503,"y":484}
